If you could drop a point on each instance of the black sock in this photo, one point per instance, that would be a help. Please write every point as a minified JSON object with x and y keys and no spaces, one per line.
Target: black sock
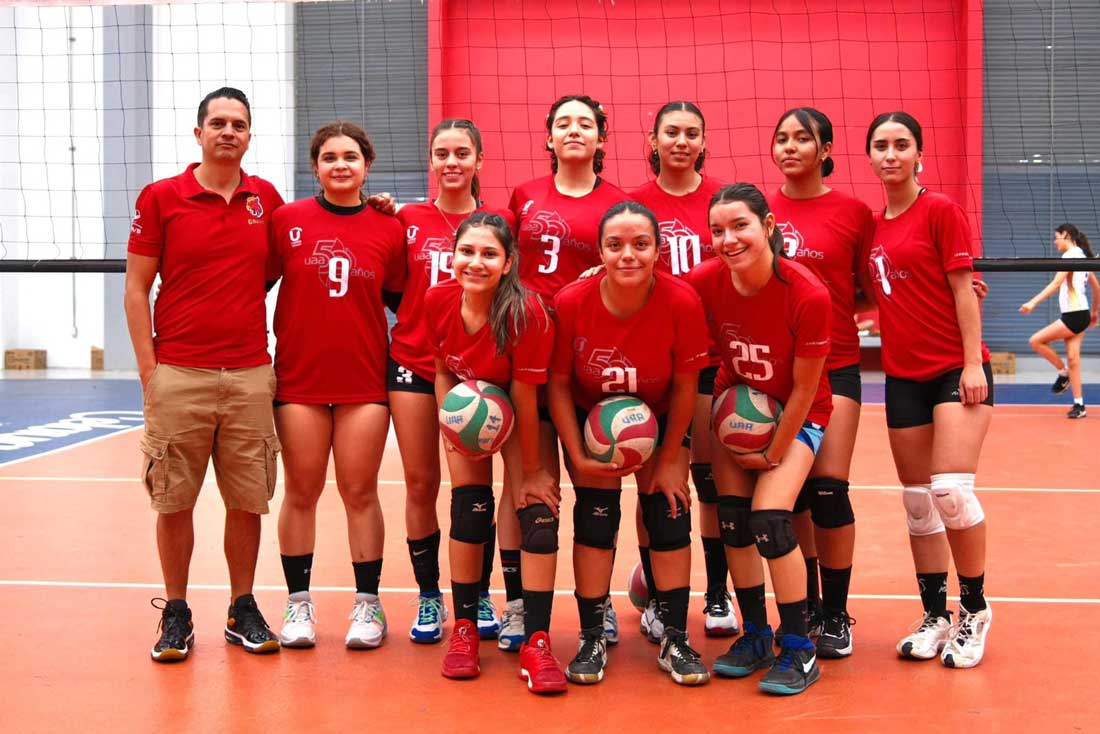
{"x":424,"y":554}
{"x":465,"y":600}
{"x":367,"y":574}
{"x":834,"y":588}
{"x":537,"y":606}
{"x":972,"y":592}
{"x":751,"y":602}
{"x":296,"y":570}
{"x":673,"y":607}
{"x":714,"y":556}
{"x":513,"y":579}
{"x":813,"y":591}
{"x":591,"y":611}
{"x":647,"y":569}
{"x":490,"y":552}
{"x":933,"y":592}
{"x":792,"y":616}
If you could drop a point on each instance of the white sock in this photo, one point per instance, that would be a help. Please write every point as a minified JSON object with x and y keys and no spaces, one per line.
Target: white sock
{"x":1079,"y":401}
{"x":1064,"y":372}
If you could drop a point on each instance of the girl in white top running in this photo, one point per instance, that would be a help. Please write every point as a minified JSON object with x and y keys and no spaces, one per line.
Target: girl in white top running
{"x":1075,"y":319}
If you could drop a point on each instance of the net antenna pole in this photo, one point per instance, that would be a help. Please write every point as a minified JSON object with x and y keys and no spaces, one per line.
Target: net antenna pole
{"x":70,"y":42}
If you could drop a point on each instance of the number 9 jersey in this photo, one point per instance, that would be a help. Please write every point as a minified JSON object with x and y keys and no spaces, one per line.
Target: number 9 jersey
{"x":330,"y":323}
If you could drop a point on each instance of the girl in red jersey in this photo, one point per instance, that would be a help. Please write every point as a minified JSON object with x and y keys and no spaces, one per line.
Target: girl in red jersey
{"x":455,"y":153}
{"x":679,"y":197}
{"x":829,"y":232}
{"x":635,"y":331}
{"x":770,"y":318}
{"x":939,"y":388}
{"x":336,"y":257}
{"x":487,"y":326}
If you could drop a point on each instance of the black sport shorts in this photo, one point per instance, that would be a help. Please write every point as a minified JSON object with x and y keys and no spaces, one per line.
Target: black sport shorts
{"x":1076,"y":321}
{"x":402,"y":379}
{"x":910,"y":403}
{"x":846,"y":382}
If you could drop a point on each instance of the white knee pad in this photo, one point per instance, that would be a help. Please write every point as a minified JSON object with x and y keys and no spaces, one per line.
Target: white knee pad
{"x":920,"y":512}
{"x":953,"y":495}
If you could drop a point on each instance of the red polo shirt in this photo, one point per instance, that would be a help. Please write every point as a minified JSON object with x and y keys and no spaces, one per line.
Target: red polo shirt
{"x":210,"y":310}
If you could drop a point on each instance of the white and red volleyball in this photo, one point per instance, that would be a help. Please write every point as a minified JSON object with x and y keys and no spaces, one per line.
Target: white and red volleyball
{"x":745,"y":419}
{"x":476,"y":417}
{"x":620,"y":430}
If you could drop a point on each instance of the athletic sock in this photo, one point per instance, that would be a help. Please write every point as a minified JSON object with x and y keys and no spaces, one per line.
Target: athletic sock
{"x":1064,"y":372}
{"x":933,"y":592}
{"x":424,"y":554}
{"x":465,"y":600}
{"x":591,"y":611}
{"x":537,"y":606}
{"x":714,"y":555}
{"x":489,"y":551}
{"x":813,"y":591}
{"x":367,"y":574}
{"x":792,"y":617}
{"x":647,"y":569}
{"x":751,"y":602}
{"x":513,"y":579}
{"x":834,"y":588}
{"x":972,"y":592}
{"x":672,"y":607}
{"x":1079,"y":401}
{"x":296,"y":571}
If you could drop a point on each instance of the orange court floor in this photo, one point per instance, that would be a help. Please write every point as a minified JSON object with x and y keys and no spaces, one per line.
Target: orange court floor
{"x":78,"y":566}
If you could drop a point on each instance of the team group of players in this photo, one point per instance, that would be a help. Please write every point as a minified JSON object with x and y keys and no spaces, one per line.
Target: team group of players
{"x":576,"y":292}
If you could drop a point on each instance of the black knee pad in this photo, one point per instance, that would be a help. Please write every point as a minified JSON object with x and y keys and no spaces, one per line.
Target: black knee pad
{"x":666,"y":533}
{"x":733,"y":521}
{"x":596,"y":516}
{"x":703,"y":478}
{"x":831,"y":507}
{"x":804,"y":502}
{"x":538,"y":529}
{"x":772,"y":532}
{"x":472,"y":512}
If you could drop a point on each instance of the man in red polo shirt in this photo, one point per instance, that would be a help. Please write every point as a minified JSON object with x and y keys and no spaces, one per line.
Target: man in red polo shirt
{"x":205,"y":371}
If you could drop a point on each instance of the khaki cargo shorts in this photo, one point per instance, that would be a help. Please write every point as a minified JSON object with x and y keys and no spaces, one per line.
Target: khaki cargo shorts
{"x":193,"y":415}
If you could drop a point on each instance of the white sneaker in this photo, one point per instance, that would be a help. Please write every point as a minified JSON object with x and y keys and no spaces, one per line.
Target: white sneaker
{"x":368,"y":623}
{"x":512,"y":627}
{"x":926,"y":641}
{"x":299,"y":623}
{"x":720,"y":620}
{"x":488,"y":623}
{"x":967,"y":644}
{"x":652,"y":627}
{"x":431,"y":613}
{"x":610,"y":623}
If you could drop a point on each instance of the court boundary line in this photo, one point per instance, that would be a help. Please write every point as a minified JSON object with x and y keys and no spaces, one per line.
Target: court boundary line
{"x":85,"y":442}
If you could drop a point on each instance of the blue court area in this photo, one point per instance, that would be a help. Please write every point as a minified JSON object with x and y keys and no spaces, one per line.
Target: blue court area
{"x":1006,"y":393}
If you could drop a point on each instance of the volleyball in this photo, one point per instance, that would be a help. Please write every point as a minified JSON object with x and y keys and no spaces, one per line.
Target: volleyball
{"x":745,"y":418}
{"x":476,"y":417}
{"x":638,"y":588}
{"x":620,"y":430}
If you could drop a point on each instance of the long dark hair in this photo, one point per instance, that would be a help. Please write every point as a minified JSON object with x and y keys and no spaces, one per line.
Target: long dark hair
{"x":903,"y":118}
{"x":1076,"y":236}
{"x":815,"y":123}
{"x":601,"y":127}
{"x":468,"y":127}
{"x":758,"y":205}
{"x":678,"y":106}
{"x":508,"y":313}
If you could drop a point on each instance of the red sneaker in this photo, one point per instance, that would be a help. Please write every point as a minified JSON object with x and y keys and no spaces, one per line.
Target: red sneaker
{"x":539,"y":667}
{"x":461,"y":660}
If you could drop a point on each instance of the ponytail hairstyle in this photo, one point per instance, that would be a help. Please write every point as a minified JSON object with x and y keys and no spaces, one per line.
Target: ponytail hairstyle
{"x":903,"y":118}
{"x":817,"y":124}
{"x":468,"y":127}
{"x":508,"y":313}
{"x":678,"y":106}
{"x":633,"y":207}
{"x":758,"y":205}
{"x":1076,"y":236}
{"x":601,"y":127}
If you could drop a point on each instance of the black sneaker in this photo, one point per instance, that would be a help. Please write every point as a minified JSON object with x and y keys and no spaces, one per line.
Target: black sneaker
{"x":1061,"y":382}
{"x":246,"y":627}
{"x":794,"y":670}
{"x":680,"y":660}
{"x":836,"y":635}
{"x":591,"y":659}
{"x":177,"y":633}
{"x":815,"y":621}
{"x":719,"y":619}
{"x":752,"y":651}
{"x":1077,"y":411}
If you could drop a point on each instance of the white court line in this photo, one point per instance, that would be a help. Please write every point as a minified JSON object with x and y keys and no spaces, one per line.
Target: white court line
{"x":400,"y":483}
{"x":558,"y":592}
{"x":66,"y":447}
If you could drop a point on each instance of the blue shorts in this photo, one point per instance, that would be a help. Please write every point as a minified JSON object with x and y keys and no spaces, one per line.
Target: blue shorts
{"x":812,"y":435}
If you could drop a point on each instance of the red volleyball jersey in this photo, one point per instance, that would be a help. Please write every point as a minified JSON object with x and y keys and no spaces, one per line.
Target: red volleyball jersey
{"x":910,"y":257}
{"x":760,"y":335}
{"x":209,"y":311}
{"x":831,"y":236}
{"x":330,"y":324}
{"x":607,"y":355}
{"x":558,"y":234}
{"x":685,"y":230}
{"x":474,"y":356}
{"x":429,"y":242}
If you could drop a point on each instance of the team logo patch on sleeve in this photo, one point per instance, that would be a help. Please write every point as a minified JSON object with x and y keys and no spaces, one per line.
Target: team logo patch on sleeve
{"x":253,"y":206}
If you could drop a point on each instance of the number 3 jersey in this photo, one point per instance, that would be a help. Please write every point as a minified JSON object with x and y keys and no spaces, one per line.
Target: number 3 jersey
{"x":430,"y":244}
{"x":607,"y":355}
{"x":558,"y":234}
{"x":760,"y":335}
{"x":330,"y":324}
